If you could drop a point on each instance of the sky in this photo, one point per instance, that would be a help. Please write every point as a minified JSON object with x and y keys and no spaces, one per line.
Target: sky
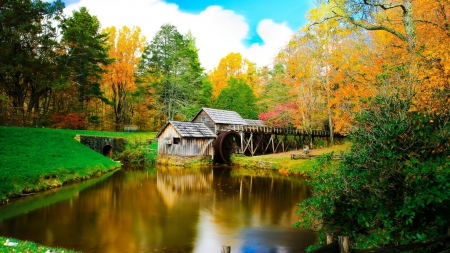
{"x":257,"y":29}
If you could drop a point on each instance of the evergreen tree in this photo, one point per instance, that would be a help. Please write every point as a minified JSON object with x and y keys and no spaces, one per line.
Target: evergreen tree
{"x":86,"y":50}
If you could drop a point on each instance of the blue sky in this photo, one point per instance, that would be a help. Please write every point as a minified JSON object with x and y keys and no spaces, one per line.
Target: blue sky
{"x":290,"y":11}
{"x":256,"y":29}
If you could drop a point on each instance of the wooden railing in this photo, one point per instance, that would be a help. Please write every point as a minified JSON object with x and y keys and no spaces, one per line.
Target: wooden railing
{"x":274,"y":130}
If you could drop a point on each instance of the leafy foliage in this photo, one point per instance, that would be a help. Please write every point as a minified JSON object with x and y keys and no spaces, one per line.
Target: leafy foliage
{"x":392,"y":188}
{"x":281,"y":116}
{"x":70,"y":121}
{"x":170,"y":65}
{"x":28,"y":45}
{"x":233,"y":66}
{"x":87,"y":51}
{"x":125,"y":46}
{"x":140,"y":153}
{"x":238,"y":97}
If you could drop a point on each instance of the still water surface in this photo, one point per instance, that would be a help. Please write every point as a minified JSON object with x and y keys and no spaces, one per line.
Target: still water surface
{"x":165,"y":209}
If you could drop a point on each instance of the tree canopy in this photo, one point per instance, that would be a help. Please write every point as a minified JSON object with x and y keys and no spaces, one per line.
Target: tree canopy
{"x":87,"y":51}
{"x":171,"y":65}
{"x":238,"y":97}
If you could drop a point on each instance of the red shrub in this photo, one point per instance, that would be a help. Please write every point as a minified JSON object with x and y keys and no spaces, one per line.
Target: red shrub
{"x":69,"y":121}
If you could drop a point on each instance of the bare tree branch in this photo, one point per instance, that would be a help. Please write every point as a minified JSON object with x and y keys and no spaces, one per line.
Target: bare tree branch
{"x":385,"y":6}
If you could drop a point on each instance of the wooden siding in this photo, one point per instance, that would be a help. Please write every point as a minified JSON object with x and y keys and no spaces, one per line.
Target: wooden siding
{"x":187,"y":147}
{"x":209,"y":123}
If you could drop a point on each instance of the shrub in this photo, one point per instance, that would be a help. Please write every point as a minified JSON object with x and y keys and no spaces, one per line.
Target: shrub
{"x":393,"y":187}
{"x":139,"y":152}
{"x":70,"y":121}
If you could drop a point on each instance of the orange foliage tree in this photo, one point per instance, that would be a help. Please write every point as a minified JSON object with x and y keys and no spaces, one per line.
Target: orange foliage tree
{"x":233,"y":65}
{"x":413,"y":37}
{"x":126,"y":47}
{"x":327,"y":66}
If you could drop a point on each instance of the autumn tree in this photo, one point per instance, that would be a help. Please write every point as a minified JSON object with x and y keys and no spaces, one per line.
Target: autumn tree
{"x":233,"y":66}
{"x":388,"y":189}
{"x":172,"y":68}
{"x":86,"y":52}
{"x":276,"y":101}
{"x":29,"y":57}
{"x":238,"y":97}
{"x":301,"y":75}
{"x":125,"y":47}
{"x":413,"y":33}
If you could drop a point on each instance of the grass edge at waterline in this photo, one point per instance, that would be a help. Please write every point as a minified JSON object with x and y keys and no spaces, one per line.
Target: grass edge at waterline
{"x":27,"y":246}
{"x":35,"y":159}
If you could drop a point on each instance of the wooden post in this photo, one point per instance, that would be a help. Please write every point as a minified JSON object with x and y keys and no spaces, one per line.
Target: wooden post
{"x":329,"y":238}
{"x":344,"y":246}
{"x":226,"y":249}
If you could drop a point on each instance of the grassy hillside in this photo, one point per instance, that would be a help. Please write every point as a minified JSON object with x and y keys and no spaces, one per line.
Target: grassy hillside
{"x":32,"y":159}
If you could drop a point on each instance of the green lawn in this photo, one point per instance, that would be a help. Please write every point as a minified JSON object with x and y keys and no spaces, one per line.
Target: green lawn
{"x":283,"y":163}
{"x":33,"y":159}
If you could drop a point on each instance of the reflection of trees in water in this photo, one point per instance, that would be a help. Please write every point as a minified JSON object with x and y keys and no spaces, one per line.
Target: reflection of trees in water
{"x":132,"y":207}
{"x":267,"y":200}
{"x":172,"y":182}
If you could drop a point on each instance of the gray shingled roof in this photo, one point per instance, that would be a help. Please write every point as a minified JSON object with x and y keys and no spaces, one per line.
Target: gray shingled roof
{"x":190,"y":129}
{"x":224,"y":116}
{"x":255,"y":122}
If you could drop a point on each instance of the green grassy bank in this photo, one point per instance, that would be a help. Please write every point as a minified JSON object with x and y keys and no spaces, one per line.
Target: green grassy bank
{"x":283,"y":162}
{"x":34,"y":159}
{"x":27,"y":247}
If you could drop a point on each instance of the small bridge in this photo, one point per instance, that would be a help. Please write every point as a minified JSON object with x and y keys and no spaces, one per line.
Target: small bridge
{"x":103,"y":145}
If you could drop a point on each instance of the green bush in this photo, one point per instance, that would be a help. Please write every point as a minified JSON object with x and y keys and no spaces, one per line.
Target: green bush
{"x":393,"y":187}
{"x":140,"y":152}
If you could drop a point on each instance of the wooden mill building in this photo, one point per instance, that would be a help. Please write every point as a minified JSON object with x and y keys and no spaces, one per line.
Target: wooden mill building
{"x":185,"y":139}
{"x":219,"y":133}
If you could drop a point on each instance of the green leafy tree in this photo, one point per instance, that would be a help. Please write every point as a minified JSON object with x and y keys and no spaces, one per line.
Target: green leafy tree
{"x":28,"y":53}
{"x":392,"y":188}
{"x":86,"y":50}
{"x":238,"y":97}
{"x":171,"y":66}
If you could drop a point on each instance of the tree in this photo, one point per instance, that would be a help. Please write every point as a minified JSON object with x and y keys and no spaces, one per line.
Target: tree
{"x":389,"y":189}
{"x":233,"y":66}
{"x":28,"y":45}
{"x":125,"y":46}
{"x":171,"y":66}
{"x":238,"y":97}
{"x":413,"y":34}
{"x":86,"y":53}
{"x":272,"y":86}
{"x":281,"y":116}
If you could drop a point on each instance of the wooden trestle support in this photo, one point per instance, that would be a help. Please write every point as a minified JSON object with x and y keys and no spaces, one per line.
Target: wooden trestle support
{"x":256,"y":140}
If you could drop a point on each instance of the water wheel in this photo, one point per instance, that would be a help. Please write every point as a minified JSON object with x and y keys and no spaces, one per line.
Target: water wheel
{"x":225,"y":145}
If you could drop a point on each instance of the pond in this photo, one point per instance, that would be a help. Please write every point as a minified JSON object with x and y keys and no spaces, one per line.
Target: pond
{"x":164,"y":209}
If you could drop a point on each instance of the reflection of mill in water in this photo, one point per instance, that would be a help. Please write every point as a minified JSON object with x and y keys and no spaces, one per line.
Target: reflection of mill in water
{"x":172,"y":183}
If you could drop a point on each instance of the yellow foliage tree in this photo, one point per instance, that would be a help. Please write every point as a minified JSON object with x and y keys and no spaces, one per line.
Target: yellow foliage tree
{"x":413,"y":38}
{"x":233,"y":65}
{"x":327,"y":66}
{"x":126,"y":47}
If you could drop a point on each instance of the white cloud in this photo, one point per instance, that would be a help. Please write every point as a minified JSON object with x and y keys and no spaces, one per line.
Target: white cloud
{"x":217,"y":31}
{"x":275,"y":36}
